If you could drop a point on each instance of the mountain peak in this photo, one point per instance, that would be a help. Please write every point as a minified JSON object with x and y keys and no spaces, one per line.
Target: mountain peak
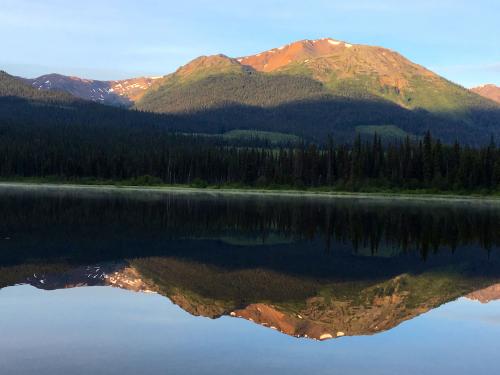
{"x":209,"y":65}
{"x":298,"y":51}
{"x":211,"y":61}
{"x":378,"y":71}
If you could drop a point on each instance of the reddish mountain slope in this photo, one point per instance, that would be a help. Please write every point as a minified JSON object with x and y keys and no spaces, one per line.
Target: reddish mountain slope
{"x":122,"y":93}
{"x":488,"y":91}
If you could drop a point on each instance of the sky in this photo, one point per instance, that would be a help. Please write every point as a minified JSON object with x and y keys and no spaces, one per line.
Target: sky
{"x":115,"y":39}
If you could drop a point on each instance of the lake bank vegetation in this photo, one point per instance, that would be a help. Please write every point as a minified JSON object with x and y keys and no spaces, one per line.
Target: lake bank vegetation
{"x":161,"y":158}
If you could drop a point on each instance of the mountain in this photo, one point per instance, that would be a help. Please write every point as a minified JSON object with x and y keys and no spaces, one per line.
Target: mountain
{"x":26,"y":112}
{"x":217,"y":81}
{"x":360,"y":70}
{"x":318,"y":87}
{"x":488,"y":91}
{"x":486,"y":295}
{"x":118,"y":93}
{"x":306,"y":308}
{"x":13,"y":87}
{"x":311,"y":89}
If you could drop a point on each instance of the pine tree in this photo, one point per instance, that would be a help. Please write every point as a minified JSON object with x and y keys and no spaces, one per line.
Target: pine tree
{"x":427,"y":159}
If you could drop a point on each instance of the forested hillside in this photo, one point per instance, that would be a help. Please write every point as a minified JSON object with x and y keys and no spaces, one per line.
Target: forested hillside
{"x":13,"y":87}
{"x":310,"y":89}
{"x":154,"y":156}
{"x":35,"y":111}
{"x":53,"y":135}
{"x":322,"y":87}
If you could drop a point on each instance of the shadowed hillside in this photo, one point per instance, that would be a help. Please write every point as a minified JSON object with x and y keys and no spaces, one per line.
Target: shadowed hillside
{"x":349,"y":86}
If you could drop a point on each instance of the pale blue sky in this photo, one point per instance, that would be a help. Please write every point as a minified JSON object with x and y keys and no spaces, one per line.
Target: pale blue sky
{"x":112,"y":39}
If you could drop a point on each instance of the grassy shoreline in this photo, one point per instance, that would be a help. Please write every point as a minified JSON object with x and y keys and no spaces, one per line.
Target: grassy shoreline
{"x":231,"y":190}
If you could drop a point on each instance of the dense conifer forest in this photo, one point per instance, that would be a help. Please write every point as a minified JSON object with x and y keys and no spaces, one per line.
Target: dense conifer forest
{"x":157,"y":156}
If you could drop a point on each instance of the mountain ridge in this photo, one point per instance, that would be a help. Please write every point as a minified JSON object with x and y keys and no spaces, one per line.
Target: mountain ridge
{"x":489,"y":91}
{"x":333,"y":62}
{"x":323,"y":75}
{"x":311,"y":87}
{"x":324,"y":312}
{"x":115,"y":92}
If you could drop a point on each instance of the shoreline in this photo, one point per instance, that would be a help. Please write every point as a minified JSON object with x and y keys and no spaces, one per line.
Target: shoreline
{"x":252,"y":192}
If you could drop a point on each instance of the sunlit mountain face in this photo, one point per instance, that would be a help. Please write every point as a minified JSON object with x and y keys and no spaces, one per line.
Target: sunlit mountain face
{"x":316,"y":268}
{"x":488,"y":91}
{"x":121,"y":93}
{"x":308,"y":88}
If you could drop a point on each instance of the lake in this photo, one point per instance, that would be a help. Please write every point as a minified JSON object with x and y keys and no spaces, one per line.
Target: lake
{"x":129,"y":282}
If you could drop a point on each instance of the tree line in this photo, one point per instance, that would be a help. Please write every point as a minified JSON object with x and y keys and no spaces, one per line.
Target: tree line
{"x":158,"y":156}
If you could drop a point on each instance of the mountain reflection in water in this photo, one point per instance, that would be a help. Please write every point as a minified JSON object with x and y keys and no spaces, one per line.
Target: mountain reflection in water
{"x":317,"y":268}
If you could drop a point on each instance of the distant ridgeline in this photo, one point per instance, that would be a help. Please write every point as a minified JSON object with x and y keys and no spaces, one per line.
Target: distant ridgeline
{"x":310,"y":89}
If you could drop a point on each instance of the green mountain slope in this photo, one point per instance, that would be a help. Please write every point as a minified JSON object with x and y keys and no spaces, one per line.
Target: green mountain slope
{"x":340,"y":86}
{"x":218,"y":81}
{"x":358,"y":70}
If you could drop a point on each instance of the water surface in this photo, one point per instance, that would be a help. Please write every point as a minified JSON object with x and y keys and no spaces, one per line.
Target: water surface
{"x":127,"y":283}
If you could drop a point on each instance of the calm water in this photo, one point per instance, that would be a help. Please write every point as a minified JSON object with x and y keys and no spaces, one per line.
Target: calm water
{"x":146,"y":283}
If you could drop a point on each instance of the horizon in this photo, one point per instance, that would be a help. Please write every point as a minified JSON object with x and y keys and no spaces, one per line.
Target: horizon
{"x":150,"y":40}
